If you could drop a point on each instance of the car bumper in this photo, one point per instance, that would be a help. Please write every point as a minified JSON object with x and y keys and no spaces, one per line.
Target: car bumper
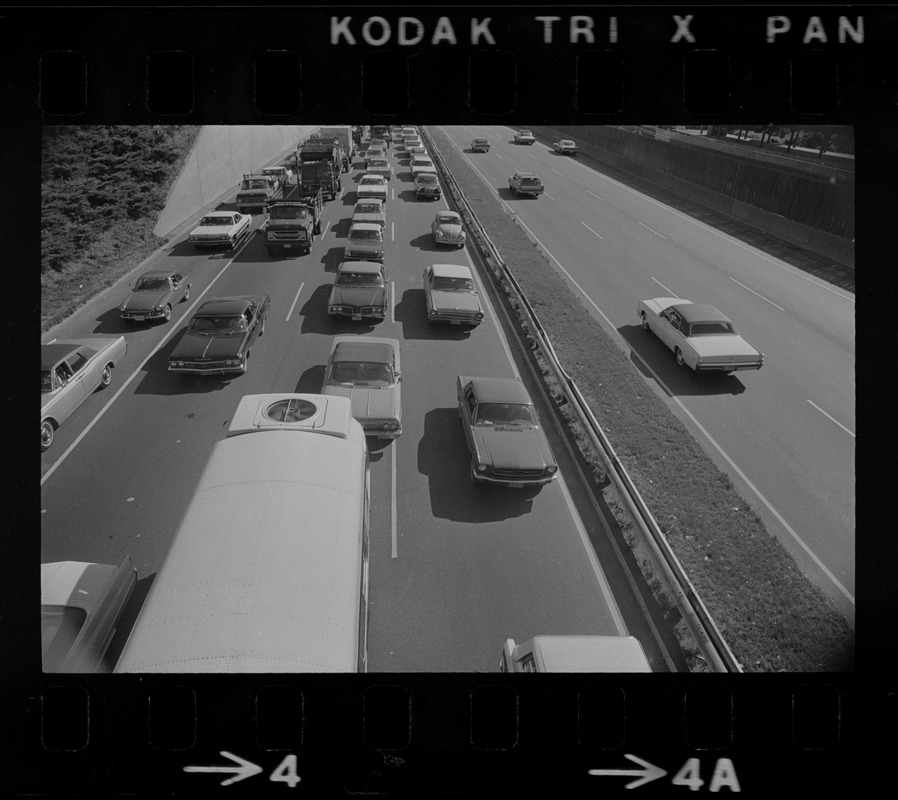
{"x":362,"y":314}
{"x":140,"y":316}
{"x":208,"y":369}
{"x":732,"y":367}
{"x":512,"y":482}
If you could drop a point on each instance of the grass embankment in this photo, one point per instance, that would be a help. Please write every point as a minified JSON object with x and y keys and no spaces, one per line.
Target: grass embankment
{"x":102,"y":188}
{"x":769,"y":613}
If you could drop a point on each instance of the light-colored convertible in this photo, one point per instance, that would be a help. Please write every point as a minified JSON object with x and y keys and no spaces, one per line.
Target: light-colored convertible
{"x":700,"y":336}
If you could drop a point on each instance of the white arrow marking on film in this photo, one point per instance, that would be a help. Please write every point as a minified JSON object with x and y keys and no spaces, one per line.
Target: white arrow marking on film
{"x":649,"y":773}
{"x":244,"y":769}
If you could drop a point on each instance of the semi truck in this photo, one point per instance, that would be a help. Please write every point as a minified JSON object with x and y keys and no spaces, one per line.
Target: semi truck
{"x":294,"y":221}
{"x":256,"y":192}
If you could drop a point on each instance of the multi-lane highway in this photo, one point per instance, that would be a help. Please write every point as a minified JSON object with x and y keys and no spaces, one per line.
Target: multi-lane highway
{"x":455,"y":570}
{"x":784,"y":434}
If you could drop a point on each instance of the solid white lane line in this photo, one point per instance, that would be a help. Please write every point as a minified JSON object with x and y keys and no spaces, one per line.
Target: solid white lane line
{"x":705,"y":433}
{"x":591,"y":230}
{"x":833,"y":419}
{"x":295,"y":300}
{"x":649,"y":229}
{"x":669,"y":292}
{"x":394,"y":553}
{"x":137,"y":370}
{"x":392,"y":231}
{"x":759,"y":295}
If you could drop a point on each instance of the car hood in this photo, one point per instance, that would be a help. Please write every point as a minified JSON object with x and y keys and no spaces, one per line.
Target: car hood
{"x":370,"y":403}
{"x":357,"y":295}
{"x":145,"y":301}
{"x":513,"y":448}
{"x":194,"y":345}
{"x":455,"y":301}
{"x":452,"y":231}
{"x":722,"y":345}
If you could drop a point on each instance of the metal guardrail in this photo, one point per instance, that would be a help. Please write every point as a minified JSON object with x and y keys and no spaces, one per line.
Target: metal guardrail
{"x":710,"y":642}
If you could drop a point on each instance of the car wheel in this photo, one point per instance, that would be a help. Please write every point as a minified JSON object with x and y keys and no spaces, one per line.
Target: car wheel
{"x":262,"y":329}
{"x":186,"y":295}
{"x":166,"y":314}
{"x":645,"y":322}
{"x":106,"y":376}
{"x":679,"y":354}
{"x":47,"y":432}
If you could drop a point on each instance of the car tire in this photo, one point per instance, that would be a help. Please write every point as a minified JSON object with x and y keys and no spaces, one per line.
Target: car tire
{"x":47,"y":432}
{"x":166,"y":314}
{"x":645,"y":322}
{"x":262,"y":329}
{"x":186,"y":295}
{"x":106,"y":376}
{"x":681,"y":362}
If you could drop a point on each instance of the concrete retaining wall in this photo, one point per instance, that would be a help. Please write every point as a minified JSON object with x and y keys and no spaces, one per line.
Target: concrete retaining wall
{"x":815,"y":241}
{"x":220,"y":157}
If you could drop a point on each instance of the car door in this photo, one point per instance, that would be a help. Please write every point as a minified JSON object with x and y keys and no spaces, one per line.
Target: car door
{"x":670,"y":329}
{"x":70,"y":392}
{"x":428,"y":286}
{"x":468,"y":410}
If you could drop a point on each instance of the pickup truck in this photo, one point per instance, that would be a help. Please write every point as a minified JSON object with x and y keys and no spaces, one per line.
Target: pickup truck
{"x":294,"y":221}
{"x":565,"y":147}
{"x":257,"y":191}
{"x":282,"y":174}
{"x":524,"y":137}
{"x":526,"y":183}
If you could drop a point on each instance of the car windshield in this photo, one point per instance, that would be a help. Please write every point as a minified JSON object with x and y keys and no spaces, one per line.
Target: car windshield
{"x":46,"y":381}
{"x":710,"y":328}
{"x":515,"y":414}
{"x":372,"y":180}
{"x":257,"y":184}
{"x":525,"y":133}
{"x":447,"y":219}
{"x":445,"y":284}
{"x":216,"y":221}
{"x":377,"y":163}
{"x":361,"y":373}
{"x":151,"y":285}
{"x":365,"y":235}
{"x":218,"y":325}
{"x":360,"y":279}
{"x":427,"y":178}
{"x":368,"y":208}
{"x":480,"y":141}
{"x":534,"y":181}
{"x":288,"y":212}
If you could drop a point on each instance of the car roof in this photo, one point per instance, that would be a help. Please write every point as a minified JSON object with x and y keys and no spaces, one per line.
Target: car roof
{"x":362,"y":348}
{"x":370,"y":175}
{"x":367,"y":200}
{"x":361,"y":266}
{"x":445,"y":213}
{"x":52,"y":354}
{"x":365,"y":226}
{"x":451,"y":270}
{"x":500,"y":390}
{"x":527,"y":175}
{"x":699,"y":312}
{"x":223,"y":306}
{"x":219,"y":214}
{"x":480,"y":139}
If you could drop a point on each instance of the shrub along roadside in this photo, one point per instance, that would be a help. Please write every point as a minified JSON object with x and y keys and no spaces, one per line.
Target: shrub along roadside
{"x":770,"y":614}
{"x":102,"y":188}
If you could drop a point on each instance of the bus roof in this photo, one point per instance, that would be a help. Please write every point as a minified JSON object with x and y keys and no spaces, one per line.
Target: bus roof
{"x":264,"y":573}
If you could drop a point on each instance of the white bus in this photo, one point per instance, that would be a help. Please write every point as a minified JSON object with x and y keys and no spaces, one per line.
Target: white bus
{"x":268,"y":571}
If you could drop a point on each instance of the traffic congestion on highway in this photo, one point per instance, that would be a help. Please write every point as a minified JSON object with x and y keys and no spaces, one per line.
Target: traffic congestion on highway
{"x":465,"y":476}
{"x":356,"y":279}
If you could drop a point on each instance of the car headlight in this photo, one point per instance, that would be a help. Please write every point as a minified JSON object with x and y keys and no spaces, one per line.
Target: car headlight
{"x":123,"y":307}
{"x":335,"y":308}
{"x":479,"y":315}
{"x":482,"y":467}
{"x":432,"y":313}
{"x":551,"y":469}
{"x":440,"y":234}
{"x":391,"y":425}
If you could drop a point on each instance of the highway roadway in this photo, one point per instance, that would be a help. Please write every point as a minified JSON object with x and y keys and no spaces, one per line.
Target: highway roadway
{"x":785,"y":434}
{"x":455,"y":569}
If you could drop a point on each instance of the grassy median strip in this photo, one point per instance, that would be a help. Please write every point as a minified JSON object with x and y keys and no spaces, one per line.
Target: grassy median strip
{"x":770,"y":614}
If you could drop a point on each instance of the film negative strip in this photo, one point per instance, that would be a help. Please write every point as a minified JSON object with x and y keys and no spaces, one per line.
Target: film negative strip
{"x":431,"y":713}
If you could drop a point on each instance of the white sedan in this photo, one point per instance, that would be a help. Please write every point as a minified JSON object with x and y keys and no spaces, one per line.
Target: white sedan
{"x":221,"y":228}
{"x":699,"y":335}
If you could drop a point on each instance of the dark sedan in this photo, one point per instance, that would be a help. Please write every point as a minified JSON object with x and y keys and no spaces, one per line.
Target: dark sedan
{"x":508,"y":445}
{"x":153,"y":296}
{"x":221,"y":335}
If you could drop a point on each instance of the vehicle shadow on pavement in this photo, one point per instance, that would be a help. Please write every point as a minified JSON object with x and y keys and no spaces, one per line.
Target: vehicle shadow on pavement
{"x":111,"y":322}
{"x":444,"y":459}
{"x":332,"y":258}
{"x":648,"y":352}
{"x":411,"y":313}
{"x":310,"y":381}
